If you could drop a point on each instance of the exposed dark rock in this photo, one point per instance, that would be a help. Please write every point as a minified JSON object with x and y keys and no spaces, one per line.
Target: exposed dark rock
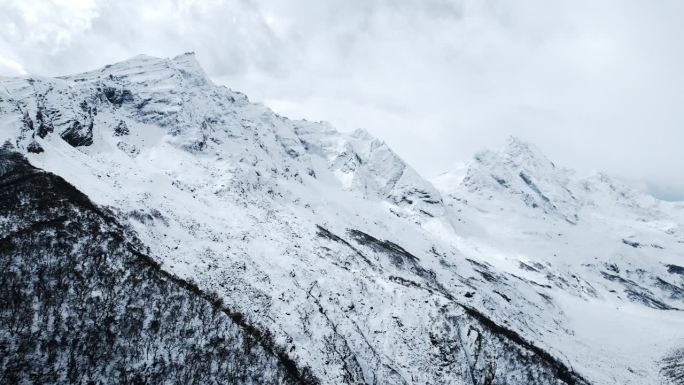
{"x":634,"y":244}
{"x":487,"y":276}
{"x":673,"y":291}
{"x":404,"y":281}
{"x":647,"y":299}
{"x":34,"y":147}
{"x":117,"y":97}
{"x":27,"y":122}
{"x":528,"y":181}
{"x":121,"y":129}
{"x":78,"y":135}
{"x":501,"y":182}
{"x":527,"y":267}
{"x":613,"y":267}
{"x":477,"y":264}
{"x":397,"y":256}
{"x":673,"y":367}
{"x":44,"y":125}
{"x":502,"y":295}
{"x":638,"y":293}
{"x":674,"y":269}
{"x":324,"y":233}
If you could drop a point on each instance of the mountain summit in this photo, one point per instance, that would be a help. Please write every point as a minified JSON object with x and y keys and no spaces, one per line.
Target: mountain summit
{"x":322,"y":254}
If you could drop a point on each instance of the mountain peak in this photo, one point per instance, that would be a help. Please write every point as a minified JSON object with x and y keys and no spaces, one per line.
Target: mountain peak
{"x":188,"y":63}
{"x":361,"y":134}
{"x":524,"y":154}
{"x":520,"y":170}
{"x":515,"y":157}
{"x":143,"y":68}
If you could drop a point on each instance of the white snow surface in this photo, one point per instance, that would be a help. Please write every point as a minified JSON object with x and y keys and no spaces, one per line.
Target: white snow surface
{"x":228,"y":193}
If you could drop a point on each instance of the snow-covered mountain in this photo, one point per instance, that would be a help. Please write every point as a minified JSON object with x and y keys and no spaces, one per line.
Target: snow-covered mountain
{"x":511,"y":271}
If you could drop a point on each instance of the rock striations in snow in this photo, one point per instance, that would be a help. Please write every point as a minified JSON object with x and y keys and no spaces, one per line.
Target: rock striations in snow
{"x":334,"y":259}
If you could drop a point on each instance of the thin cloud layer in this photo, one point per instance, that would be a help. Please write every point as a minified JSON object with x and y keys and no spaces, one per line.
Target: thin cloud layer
{"x":596,"y":85}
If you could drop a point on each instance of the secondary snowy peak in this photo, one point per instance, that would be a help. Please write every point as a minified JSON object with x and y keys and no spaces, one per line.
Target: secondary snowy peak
{"x":365,"y":164}
{"x":524,"y":155}
{"x":517,"y":160}
{"x":522,"y":172}
{"x":533,"y":208}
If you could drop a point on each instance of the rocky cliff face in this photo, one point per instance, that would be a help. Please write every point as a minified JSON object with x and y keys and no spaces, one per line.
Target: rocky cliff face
{"x":352,"y":264}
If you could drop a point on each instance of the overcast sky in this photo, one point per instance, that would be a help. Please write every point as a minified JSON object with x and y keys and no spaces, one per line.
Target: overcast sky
{"x":597,"y":85}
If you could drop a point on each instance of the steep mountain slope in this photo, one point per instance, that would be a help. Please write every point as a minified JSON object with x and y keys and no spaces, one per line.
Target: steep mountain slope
{"x":81,"y":305}
{"x":361,"y":269}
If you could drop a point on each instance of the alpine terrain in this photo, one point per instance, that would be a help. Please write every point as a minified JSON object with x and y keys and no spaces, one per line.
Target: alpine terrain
{"x":158,"y":228}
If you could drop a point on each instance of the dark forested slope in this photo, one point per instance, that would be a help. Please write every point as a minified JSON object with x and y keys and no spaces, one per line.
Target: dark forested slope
{"x":80,"y":305}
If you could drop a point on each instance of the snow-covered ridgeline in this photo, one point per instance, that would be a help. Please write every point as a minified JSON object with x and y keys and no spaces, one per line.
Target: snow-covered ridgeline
{"x":354,"y":261}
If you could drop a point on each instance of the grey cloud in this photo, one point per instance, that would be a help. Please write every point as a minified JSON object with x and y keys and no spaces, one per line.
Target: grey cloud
{"x":597,"y":85}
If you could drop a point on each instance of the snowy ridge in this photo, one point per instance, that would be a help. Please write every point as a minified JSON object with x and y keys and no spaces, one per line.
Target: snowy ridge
{"x":590,"y":237}
{"x":522,"y":170}
{"x":360,"y":268}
